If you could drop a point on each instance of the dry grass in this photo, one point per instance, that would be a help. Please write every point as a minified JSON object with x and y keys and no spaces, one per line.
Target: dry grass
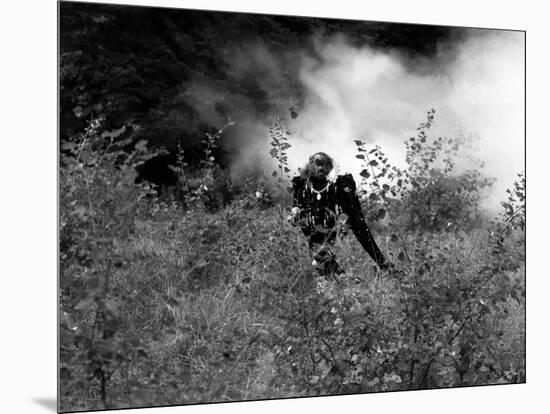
{"x":214,"y":297}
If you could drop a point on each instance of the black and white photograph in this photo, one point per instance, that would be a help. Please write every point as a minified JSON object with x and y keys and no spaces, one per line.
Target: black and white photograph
{"x":263,"y":206}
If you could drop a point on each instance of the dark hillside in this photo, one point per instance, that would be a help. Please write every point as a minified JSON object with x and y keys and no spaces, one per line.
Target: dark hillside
{"x":140,"y":67}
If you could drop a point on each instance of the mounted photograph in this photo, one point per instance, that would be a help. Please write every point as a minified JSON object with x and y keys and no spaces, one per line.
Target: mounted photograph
{"x":256,"y":207}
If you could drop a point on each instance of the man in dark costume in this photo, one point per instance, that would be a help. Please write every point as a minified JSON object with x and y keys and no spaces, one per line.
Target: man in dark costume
{"x":317,"y":207}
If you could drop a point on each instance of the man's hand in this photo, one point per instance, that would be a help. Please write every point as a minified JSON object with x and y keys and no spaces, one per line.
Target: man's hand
{"x":294,"y":216}
{"x":343,"y":225}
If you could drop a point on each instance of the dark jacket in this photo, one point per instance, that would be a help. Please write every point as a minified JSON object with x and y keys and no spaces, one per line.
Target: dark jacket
{"x":319,"y":211}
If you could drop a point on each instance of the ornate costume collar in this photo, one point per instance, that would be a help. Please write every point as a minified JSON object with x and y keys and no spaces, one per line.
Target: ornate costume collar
{"x":318,"y":192}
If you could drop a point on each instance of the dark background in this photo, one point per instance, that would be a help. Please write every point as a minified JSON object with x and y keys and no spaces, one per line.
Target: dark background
{"x":150,"y":69}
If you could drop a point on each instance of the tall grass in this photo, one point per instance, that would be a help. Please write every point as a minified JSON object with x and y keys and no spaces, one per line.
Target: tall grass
{"x":162,"y":304}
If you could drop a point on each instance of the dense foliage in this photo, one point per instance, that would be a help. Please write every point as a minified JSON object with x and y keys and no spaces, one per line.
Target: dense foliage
{"x":430,"y":193}
{"x":205,"y":293}
{"x":170,"y":303}
{"x":166,"y":75}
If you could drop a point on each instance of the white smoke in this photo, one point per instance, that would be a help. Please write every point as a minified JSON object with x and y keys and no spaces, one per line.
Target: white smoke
{"x":381,"y":97}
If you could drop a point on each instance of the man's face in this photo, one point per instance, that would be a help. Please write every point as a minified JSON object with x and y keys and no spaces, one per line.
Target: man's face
{"x":320,"y":167}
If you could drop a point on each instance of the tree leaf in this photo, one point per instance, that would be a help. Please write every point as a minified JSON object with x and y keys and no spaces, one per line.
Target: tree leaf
{"x":141,"y":145}
{"x":68,"y":146}
{"x":84,"y":303}
{"x":364,"y":173}
{"x":172,"y":302}
{"x":112,"y":306}
{"x":201,"y":351}
{"x":235,"y":395}
{"x":93,"y":283}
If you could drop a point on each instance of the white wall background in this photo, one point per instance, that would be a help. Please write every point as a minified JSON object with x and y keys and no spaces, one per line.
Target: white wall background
{"x":28,"y":207}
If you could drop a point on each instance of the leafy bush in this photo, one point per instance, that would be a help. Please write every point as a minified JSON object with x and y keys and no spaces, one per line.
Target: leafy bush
{"x":430,"y":192}
{"x":433,"y":327}
{"x":279,"y":152}
{"x":514,"y":212}
{"x":98,"y":206}
{"x":161,"y":304}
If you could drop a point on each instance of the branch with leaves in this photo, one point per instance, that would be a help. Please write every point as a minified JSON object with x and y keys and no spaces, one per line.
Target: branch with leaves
{"x":280,"y":145}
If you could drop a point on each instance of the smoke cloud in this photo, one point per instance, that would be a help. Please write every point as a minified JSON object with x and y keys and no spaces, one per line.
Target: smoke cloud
{"x":344,"y":92}
{"x":476,"y":87}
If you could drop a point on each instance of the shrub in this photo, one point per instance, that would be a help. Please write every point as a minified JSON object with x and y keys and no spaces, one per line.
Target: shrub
{"x":98,"y":208}
{"x":430,"y":192}
{"x":163,"y":305}
{"x":514,"y":207}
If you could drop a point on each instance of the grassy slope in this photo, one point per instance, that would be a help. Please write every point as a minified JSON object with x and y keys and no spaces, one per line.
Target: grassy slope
{"x":223,"y":305}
